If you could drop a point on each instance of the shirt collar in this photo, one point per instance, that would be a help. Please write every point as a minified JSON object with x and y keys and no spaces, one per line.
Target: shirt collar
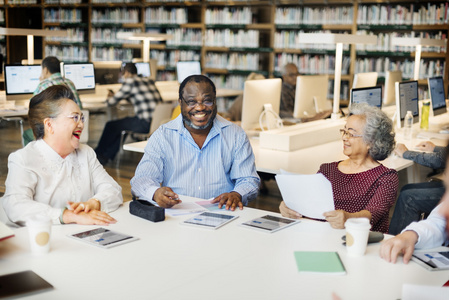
{"x":55,"y":76}
{"x":50,"y":154}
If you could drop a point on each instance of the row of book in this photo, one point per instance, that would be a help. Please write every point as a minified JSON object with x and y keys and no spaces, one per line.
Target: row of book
{"x":314,"y":15}
{"x":232,"y":38}
{"x":163,"y":15}
{"x":184,"y":37}
{"x":289,"y":39}
{"x":113,"y":1}
{"x":74,"y":35}
{"x":311,"y":64}
{"x":228,"y":15}
{"x":170,"y":58}
{"x":384,"y":41}
{"x":111,"y":53}
{"x":115,"y":15}
{"x":67,"y":53}
{"x":383,"y":14}
{"x":21,"y":2}
{"x":233,"y":61}
{"x":428,"y":68}
{"x":234,"y":82}
{"x":62,"y":15}
{"x":109,"y":35}
{"x":62,"y":1}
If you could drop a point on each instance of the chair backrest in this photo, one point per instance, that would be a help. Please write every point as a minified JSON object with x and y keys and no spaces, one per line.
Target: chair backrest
{"x":161,"y":115}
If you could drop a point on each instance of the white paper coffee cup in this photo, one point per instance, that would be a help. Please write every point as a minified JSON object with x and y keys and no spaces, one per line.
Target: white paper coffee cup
{"x":39,"y":231}
{"x":357,"y":232}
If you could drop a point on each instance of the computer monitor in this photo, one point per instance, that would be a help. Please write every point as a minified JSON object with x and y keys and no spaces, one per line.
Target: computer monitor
{"x":21,"y":81}
{"x":143,"y":68}
{"x":437,"y":95}
{"x":107,"y":72}
{"x":153,"y":66}
{"x":370,"y":95}
{"x":391,"y":78}
{"x":82,"y":75}
{"x":311,"y":95}
{"x":364,"y":80}
{"x":256,"y":94}
{"x":187,"y":68}
{"x":406,"y":99}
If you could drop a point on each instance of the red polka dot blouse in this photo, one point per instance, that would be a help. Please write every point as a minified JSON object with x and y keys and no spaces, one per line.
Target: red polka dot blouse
{"x":373,"y":190}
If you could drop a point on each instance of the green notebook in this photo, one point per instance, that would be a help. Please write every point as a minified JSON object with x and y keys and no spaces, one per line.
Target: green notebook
{"x":319,"y":262}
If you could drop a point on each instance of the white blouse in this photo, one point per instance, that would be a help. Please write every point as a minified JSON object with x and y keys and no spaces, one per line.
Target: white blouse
{"x":41,"y":181}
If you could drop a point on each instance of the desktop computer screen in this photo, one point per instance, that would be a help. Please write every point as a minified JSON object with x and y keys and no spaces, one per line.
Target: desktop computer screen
{"x":437,"y":95}
{"x":186,"y":68}
{"x":107,"y":72}
{"x":364,"y":80}
{"x":256,"y":94}
{"x":390,"y":80}
{"x":370,"y":95}
{"x":21,"y":79}
{"x":407,"y":99}
{"x":143,"y":69}
{"x":311,"y":95}
{"x":82,"y":75}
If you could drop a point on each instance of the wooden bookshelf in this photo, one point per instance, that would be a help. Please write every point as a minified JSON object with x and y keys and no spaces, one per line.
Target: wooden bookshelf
{"x":263,"y":20}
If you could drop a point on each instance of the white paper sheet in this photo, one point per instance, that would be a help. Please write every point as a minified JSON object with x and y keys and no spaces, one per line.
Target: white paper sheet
{"x":186,"y":207}
{"x":422,"y":292}
{"x":309,"y":195}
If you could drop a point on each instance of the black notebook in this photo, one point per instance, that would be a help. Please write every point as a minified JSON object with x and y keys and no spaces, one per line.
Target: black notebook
{"x":22,"y":284}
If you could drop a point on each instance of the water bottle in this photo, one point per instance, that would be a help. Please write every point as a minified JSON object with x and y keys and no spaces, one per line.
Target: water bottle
{"x":408,"y":123}
{"x":425,"y":115}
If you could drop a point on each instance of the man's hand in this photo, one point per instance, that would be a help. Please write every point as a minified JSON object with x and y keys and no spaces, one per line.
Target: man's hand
{"x":426,"y":146}
{"x":165,"y":197}
{"x":287,"y":212}
{"x":110,"y":93}
{"x":400,"y":149}
{"x":403,"y":243}
{"x":231,"y":200}
{"x":336,"y":218}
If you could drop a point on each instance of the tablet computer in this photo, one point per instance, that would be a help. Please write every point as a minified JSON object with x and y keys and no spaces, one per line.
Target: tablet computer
{"x":103,"y":238}
{"x":269,"y":223}
{"x":21,"y":284}
{"x":209,"y":220}
{"x":432,"y":261}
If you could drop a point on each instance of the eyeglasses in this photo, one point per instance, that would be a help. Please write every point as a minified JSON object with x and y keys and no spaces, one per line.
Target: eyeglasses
{"x":77,"y":118}
{"x":193,"y":103}
{"x":349,"y":135}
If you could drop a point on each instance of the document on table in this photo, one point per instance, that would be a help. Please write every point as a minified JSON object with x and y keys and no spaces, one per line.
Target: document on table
{"x":309,"y":195}
{"x":186,"y":207}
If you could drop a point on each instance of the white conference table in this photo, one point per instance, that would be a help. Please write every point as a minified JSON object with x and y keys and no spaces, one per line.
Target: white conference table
{"x":172,"y":261}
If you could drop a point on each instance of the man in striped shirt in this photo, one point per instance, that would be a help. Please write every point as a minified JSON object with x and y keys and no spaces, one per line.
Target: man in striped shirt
{"x":199,"y":154}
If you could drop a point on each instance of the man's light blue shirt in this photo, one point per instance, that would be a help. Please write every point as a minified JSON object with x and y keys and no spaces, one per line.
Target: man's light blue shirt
{"x":225,"y":163}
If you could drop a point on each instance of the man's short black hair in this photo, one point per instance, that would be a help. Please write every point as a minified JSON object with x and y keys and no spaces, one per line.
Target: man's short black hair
{"x":131,"y":68}
{"x":52,"y":64}
{"x":197,"y":79}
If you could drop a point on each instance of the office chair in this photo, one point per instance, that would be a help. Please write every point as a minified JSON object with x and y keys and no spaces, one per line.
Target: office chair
{"x":161,"y":114}
{"x":20,"y":121}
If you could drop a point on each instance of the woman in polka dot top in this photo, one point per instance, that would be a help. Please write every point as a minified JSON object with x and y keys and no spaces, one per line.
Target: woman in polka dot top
{"x":361,"y":186}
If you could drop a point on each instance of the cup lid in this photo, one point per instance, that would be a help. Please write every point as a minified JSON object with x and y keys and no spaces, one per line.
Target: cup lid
{"x":39,"y":219}
{"x":362,"y":223}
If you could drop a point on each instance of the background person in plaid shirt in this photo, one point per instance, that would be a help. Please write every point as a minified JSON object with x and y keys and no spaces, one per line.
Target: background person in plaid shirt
{"x":144,"y":96}
{"x":51,"y":75}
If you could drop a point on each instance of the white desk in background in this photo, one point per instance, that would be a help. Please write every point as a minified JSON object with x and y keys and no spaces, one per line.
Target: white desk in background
{"x":172,"y":261}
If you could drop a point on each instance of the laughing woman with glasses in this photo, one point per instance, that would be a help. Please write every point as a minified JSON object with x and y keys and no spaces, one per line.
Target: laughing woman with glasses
{"x":361,"y":186}
{"x":56,"y":175}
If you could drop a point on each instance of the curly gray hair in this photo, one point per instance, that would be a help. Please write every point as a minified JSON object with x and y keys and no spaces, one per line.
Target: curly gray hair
{"x":378,"y":133}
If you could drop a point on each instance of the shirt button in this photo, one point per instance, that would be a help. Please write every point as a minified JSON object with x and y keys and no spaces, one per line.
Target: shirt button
{"x":199,"y":188}
{"x":199,"y":170}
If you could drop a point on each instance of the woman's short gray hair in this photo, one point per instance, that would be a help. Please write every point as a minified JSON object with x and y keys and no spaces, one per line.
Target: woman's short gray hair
{"x":378,"y":133}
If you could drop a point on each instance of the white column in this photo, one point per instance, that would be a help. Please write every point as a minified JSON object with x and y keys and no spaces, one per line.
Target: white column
{"x":146,"y":50}
{"x":337,"y":80}
{"x":30,"y":49}
{"x":417,"y":61}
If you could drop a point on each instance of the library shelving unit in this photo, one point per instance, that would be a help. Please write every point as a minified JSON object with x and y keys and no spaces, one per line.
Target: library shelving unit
{"x":235,"y":38}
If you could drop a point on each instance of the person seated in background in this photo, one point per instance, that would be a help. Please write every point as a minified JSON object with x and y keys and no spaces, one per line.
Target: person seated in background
{"x":361,"y":186}
{"x":143,"y":94}
{"x":199,"y":154}
{"x":289,"y":74}
{"x":425,"y":234}
{"x":418,"y":199}
{"x":56,"y":170}
{"x":51,"y":75}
